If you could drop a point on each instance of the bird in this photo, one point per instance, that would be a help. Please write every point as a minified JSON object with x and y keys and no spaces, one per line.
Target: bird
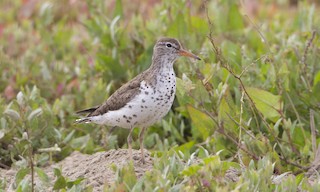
{"x":144,"y":100}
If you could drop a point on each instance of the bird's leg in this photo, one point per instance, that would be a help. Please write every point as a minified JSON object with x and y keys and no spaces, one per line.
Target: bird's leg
{"x":129,"y":140}
{"x":141,"y":136}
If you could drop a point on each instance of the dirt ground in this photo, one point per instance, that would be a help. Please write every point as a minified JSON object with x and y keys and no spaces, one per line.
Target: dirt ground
{"x":95,"y":168}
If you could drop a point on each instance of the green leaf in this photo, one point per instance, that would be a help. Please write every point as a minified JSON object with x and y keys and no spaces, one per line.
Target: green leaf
{"x":184,"y":86}
{"x":187,"y":84}
{"x":299,"y":178}
{"x":24,"y":185}
{"x":69,"y":137}
{"x":191,"y":170}
{"x":215,"y":159}
{"x":21,"y":174}
{"x":129,"y":177}
{"x":74,"y":182}
{"x":185,"y":148}
{"x":316,"y":79}
{"x":202,"y":124}
{"x":12,"y":114}
{"x":57,"y":172}
{"x":20,"y":99}
{"x":34,"y":93}
{"x":199,"y":24}
{"x":225,"y":165}
{"x":60,"y":183}
{"x":267,"y":103}
{"x":113,"y":28}
{"x":235,"y":20}
{"x":224,"y":113}
{"x":35,"y":113}
{"x":42,"y":175}
{"x":118,"y":11}
{"x":298,"y":135}
{"x":178,"y":27}
{"x":284,"y":74}
{"x":2,"y":133}
{"x":80,"y":142}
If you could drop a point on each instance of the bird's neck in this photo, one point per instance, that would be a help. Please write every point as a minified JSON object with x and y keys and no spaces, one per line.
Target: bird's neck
{"x":162,"y":63}
{"x":160,"y":67}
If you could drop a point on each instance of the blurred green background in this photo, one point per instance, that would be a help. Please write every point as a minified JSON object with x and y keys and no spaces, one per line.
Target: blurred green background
{"x":254,"y":99}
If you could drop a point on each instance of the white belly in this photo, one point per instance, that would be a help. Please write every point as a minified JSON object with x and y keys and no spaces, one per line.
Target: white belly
{"x":145,"y":109}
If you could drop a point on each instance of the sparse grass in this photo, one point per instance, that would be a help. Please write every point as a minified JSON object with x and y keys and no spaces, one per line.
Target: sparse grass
{"x":252,"y":104}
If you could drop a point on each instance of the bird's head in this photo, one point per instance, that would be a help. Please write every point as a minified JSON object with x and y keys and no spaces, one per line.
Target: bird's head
{"x":170,"y":49}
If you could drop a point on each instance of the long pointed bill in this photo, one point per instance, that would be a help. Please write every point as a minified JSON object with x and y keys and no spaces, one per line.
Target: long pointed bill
{"x":188,"y":54}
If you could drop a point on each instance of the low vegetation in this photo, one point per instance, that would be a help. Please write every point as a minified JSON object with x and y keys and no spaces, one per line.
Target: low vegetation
{"x":251,"y":106}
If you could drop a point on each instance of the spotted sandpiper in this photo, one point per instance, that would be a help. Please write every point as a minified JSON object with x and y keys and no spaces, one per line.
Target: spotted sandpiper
{"x":145,"y":99}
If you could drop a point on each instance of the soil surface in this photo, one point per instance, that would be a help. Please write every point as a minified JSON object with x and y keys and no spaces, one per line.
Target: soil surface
{"x":97,"y":171}
{"x":96,"y":168}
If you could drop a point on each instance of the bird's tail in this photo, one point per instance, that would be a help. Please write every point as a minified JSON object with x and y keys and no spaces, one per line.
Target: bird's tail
{"x":83,"y":120}
{"x":86,"y":119}
{"x":87,"y":110}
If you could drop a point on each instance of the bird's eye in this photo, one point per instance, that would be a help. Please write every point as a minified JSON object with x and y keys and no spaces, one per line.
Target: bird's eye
{"x":168,"y":45}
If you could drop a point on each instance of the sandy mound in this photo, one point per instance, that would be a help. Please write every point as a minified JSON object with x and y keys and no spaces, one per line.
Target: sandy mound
{"x":95,"y":168}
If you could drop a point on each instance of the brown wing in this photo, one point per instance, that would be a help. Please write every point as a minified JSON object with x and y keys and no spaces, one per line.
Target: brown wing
{"x":119,"y":98}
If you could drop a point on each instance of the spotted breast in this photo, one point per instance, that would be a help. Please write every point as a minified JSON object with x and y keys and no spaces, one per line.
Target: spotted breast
{"x":151,"y":104}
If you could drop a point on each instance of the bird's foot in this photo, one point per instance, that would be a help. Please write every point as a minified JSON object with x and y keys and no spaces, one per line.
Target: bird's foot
{"x":138,"y":159}
{"x":142,"y":161}
{"x":142,"y":158}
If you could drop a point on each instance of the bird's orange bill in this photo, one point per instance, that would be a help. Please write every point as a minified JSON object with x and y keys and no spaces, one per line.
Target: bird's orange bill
{"x":188,"y":54}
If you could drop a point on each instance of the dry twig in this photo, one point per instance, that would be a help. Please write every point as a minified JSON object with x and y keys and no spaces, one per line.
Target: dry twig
{"x":304,"y":70}
{"x":224,"y":63}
